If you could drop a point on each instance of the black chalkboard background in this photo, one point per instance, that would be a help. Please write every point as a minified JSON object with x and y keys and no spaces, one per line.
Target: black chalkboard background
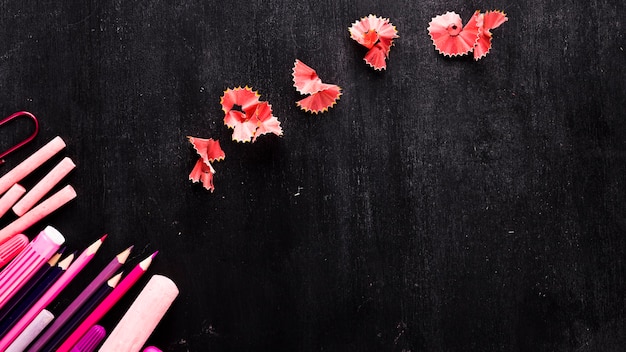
{"x":442,"y":205}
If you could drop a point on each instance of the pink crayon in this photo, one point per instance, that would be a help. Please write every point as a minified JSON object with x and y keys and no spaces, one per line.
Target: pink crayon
{"x":142,"y":317}
{"x":11,"y":248}
{"x":31,"y":163}
{"x":11,"y":197}
{"x":44,"y":186}
{"x":39,"y":212}
{"x":35,"y":255}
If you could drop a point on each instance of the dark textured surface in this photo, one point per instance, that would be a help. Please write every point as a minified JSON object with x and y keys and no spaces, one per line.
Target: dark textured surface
{"x":443,"y":205}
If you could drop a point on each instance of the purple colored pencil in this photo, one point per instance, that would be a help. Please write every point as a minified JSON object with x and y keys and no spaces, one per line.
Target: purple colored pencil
{"x":69,"y":312}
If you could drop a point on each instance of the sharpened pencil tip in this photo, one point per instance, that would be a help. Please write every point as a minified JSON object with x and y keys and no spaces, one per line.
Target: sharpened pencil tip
{"x":104,"y":237}
{"x":123,"y":256}
{"x":154,"y":254}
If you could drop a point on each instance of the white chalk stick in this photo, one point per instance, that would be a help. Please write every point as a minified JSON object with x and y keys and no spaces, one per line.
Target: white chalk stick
{"x":32,"y":330}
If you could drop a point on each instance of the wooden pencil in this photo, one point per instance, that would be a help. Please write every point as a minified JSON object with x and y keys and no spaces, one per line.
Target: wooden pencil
{"x":24,"y":266}
{"x":71,"y":272}
{"x":73,"y":307}
{"x":35,"y":293}
{"x":107,"y":304}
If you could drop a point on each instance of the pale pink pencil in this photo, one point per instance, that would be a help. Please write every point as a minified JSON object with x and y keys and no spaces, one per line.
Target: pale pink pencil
{"x":28,"y":335}
{"x":31,"y":163}
{"x":39,"y":212}
{"x":11,"y":248}
{"x":10,"y":198}
{"x":33,"y":257}
{"x":52,"y":293}
{"x":108,"y":302}
{"x":44,"y":186}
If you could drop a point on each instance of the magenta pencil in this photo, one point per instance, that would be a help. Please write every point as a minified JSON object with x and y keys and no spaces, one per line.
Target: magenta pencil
{"x":10,"y":198}
{"x":71,"y":272}
{"x":34,"y":328}
{"x":34,"y":256}
{"x":44,"y":186}
{"x":77,"y":303}
{"x":119,"y":291}
{"x":39,"y":212}
{"x":31,"y":163}
{"x":91,"y":340}
{"x":11,"y":248}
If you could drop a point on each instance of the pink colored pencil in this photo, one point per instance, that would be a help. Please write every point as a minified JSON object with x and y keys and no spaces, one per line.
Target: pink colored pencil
{"x":44,"y":186}
{"x":39,"y":212}
{"x":70,"y":311}
{"x":34,"y":256}
{"x":10,"y":198}
{"x":31,"y":163}
{"x":110,"y":300}
{"x":71,"y":272}
{"x":91,"y":340}
{"x":11,"y":248}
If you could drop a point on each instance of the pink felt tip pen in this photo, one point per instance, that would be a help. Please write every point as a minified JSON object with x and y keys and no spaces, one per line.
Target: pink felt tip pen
{"x":11,"y":248}
{"x":34,"y":256}
{"x":31,"y":163}
{"x":39,"y":212}
{"x":91,"y":340}
{"x":44,"y":186}
{"x":10,"y":198}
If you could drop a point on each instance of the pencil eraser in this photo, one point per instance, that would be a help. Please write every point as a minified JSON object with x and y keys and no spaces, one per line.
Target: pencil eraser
{"x":10,"y":198}
{"x":136,"y":326}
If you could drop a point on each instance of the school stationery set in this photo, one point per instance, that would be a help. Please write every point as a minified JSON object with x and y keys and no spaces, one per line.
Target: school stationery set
{"x":35,"y":272}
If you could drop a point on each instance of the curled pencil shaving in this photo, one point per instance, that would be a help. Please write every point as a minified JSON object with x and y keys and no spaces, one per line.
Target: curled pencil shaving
{"x":247,"y":115}
{"x":209,"y":151}
{"x":376,"y":34}
{"x":451,"y":38}
{"x":322,"y":96}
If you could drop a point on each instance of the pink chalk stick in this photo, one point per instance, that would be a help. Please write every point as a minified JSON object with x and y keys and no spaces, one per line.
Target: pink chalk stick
{"x":34,"y":328}
{"x":44,"y":186}
{"x":31,"y":163}
{"x":11,"y":197}
{"x":142,"y":317}
{"x":11,"y":248}
{"x":34,"y":256}
{"x":39,"y":212}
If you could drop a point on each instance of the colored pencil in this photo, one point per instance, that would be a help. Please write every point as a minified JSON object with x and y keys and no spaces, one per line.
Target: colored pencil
{"x":35,"y":294}
{"x":31,"y":163}
{"x":71,"y":309}
{"x":136,"y":326}
{"x":28,"y":335}
{"x":91,"y":340}
{"x":107,"y":303}
{"x":39,"y":212}
{"x":32,"y":282}
{"x":80,"y":262}
{"x":24,"y":266}
{"x":44,"y":186}
{"x":11,"y":248}
{"x":81,"y":314}
{"x":10,"y":198}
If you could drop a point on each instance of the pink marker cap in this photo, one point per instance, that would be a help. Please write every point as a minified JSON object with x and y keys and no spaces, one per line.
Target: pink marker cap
{"x":151,"y":349}
{"x":91,"y":340}
{"x":11,"y":248}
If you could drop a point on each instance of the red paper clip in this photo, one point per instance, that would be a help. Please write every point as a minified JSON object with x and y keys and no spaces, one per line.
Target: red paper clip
{"x":26,"y":140}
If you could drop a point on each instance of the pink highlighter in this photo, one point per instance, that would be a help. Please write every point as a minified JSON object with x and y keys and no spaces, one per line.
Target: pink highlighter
{"x":34,"y":256}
